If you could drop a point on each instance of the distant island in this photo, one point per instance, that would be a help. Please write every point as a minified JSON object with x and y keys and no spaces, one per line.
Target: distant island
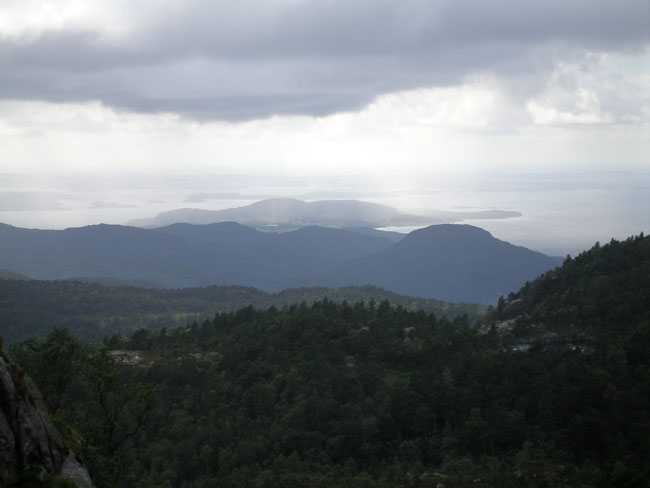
{"x":290,"y":213}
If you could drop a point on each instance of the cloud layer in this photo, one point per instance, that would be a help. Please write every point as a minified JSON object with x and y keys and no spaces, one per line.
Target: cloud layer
{"x":253,"y":59}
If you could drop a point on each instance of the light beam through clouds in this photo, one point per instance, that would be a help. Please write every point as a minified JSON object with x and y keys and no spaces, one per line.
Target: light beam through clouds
{"x":385,"y":91}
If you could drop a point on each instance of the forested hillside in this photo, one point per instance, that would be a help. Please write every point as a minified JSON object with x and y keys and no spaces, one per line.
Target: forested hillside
{"x":371,"y":395}
{"x":602,"y":293}
{"x":458,"y":263}
{"x":182,"y":255}
{"x":91,"y":311}
{"x":448,"y":262}
{"x":10,"y":275}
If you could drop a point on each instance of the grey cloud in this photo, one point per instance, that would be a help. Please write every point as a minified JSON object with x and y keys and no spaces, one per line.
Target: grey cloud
{"x":253,"y":58}
{"x":255,"y":29}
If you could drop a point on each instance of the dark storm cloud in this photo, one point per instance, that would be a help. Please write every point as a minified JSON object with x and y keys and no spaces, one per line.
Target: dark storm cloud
{"x":254,"y":58}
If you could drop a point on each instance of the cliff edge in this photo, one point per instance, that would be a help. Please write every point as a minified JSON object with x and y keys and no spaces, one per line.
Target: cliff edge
{"x":28,"y":439}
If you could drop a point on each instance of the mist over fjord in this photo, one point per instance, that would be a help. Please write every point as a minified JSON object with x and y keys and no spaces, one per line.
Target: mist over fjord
{"x":560,"y":213}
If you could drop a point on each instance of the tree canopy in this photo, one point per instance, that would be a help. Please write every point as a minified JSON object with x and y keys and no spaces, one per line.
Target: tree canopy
{"x":369,"y":394}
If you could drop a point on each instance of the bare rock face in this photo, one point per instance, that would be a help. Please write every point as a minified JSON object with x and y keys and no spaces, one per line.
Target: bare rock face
{"x":76,"y":472}
{"x":28,"y":438}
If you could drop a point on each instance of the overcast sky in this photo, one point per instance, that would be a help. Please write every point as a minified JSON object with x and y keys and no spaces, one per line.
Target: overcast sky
{"x":323,"y":87}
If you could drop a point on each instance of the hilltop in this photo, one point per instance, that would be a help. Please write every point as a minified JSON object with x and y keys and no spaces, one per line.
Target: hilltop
{"x":458,"y":263}
{"x":602,"y":293}
{"x":450,"y":262}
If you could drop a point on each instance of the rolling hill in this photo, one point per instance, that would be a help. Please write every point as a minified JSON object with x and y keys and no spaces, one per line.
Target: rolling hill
{"x":340,"y":394}
{"x":90,"y":311}
{"x":602,"y":292}
{"x":449,"y":262}
{"x":289,"y":213}
{"x":457,"y":263}
{"x":181,"y":255}
{"x":329,"y":213}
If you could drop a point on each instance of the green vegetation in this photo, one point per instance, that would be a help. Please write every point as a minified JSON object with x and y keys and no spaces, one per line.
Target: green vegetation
{"x":10,"y":275}
{"x":30,"y":479}
{"x":373,"y":395}
{"x":92,"y":312}
{"x":97,"y":406}
{"x":602,"y":294}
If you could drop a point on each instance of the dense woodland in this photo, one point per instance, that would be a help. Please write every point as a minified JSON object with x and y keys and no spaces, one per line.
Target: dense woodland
{"x":369,"y":394}
{"x":91,"y":311}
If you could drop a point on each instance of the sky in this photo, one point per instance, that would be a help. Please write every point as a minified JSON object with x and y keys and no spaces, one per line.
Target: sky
{"x":410,"y":91}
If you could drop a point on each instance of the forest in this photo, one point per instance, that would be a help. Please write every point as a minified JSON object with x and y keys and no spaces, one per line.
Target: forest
{"x":92,"y":311}
{"x":371,"y":394}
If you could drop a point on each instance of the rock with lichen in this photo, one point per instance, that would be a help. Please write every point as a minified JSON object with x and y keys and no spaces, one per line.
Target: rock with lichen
{"x":29,"y":441}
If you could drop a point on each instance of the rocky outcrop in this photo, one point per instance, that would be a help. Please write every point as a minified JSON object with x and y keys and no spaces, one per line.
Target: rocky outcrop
{"x":28,"y":438}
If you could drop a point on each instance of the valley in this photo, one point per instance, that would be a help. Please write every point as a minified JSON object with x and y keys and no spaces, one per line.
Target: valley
{"x":368,"y":393}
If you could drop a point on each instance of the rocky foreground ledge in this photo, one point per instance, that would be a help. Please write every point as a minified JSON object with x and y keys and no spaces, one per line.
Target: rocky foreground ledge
{"x":29,"y":441}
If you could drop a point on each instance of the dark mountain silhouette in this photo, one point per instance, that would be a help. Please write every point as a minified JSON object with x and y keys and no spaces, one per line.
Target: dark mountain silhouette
{"x":449,"y":262}
{"x":457,"y":263}
{"x":106,"y":251}
{"x":181,"y":255}
{"x":369,"y":231}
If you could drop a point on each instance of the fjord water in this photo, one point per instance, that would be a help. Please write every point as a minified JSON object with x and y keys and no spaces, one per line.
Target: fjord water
{"x":560,"y":213}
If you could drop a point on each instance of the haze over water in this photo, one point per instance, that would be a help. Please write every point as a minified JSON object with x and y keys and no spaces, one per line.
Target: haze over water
{"x":112,"y":111}
{"x":561,"y":213}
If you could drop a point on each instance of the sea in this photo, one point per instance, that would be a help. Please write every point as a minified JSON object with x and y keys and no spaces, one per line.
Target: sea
{"x":559,"y":213}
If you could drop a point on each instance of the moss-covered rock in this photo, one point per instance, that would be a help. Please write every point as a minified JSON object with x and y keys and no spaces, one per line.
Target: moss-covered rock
{"x":30,"y":444}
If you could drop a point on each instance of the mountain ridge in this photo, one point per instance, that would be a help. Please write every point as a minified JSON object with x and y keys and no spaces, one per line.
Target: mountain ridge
{"x":471,"y":262}
{"x":459,"y":263}
{"x":180,"y":255}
